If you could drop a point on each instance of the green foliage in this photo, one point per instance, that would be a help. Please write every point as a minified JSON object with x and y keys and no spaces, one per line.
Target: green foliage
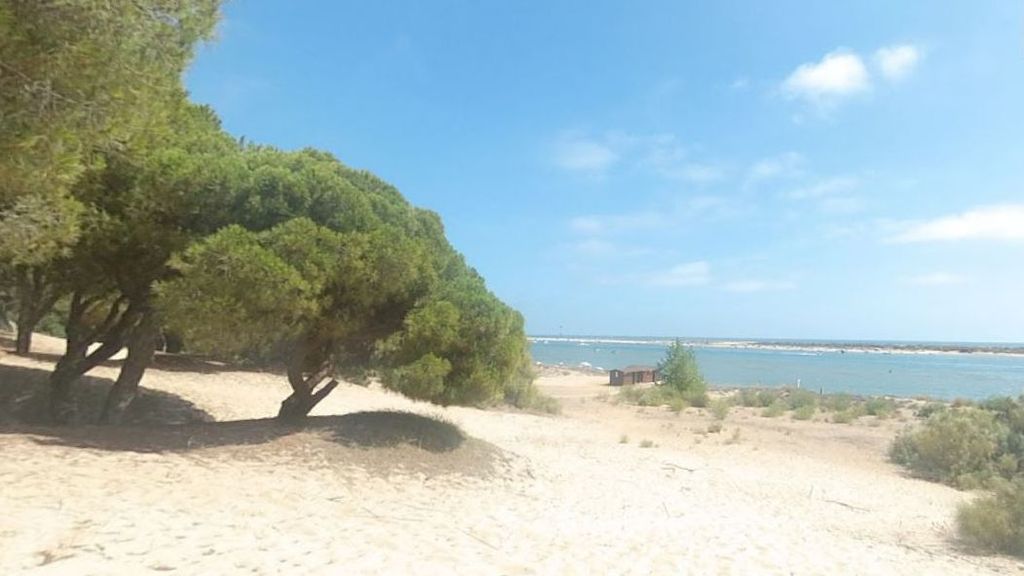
{"x":836,"y":402}
{"x":957,"y":447}
{"x":850,"y":414}
{"x":930,"y":408}
{"x":775,"y":409}
{"x":85,"y":75}
{"x":748,"y":397}
{"x":680,"y":373}
{"x":995,"y":522}
{"x":720,"y":408}
{"x":880,"y":407}
{"x":804,"y":412}
{"x":800,"y":398}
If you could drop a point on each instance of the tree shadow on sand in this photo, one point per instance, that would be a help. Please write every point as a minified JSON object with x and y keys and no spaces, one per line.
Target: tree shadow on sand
{"x":367,"y":430}
{"x":158,"y":422}
{"x":24,"y":397}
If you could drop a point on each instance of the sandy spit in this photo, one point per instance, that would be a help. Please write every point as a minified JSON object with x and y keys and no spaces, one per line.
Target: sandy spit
{"x":572,"y":494}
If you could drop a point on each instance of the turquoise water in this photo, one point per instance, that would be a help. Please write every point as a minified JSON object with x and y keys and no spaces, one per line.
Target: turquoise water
{"x":946,"y":376}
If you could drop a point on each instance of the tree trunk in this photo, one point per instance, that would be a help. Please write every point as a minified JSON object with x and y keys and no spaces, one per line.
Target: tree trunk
{"x":301,"y":402}
{"x":141,"y":347}
{"x":77,"y":360}
{"x":23,"y":343}
{"x":304,"y":396}
{"x":68,"y":370}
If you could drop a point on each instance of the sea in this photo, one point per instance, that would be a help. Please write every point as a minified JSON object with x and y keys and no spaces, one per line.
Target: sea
{"x":940,"y":370}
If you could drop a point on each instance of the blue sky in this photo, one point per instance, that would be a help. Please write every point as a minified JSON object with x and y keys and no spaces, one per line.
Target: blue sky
{"x":726,"y":169}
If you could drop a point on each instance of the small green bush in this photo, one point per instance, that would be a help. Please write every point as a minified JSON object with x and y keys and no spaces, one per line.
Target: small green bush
{"x":776,"y":409}
{"x":720,"y":408}
{"x":748,"y":397}
{"x":957,"y":447}
{"x":676,"y":404}
{"x":766,"y":398}
{"x":805,"y":412}
{"x":929,"y":409}
{"x":850,"y":414}
{"x":995,"y":522}
{"x":679,"y":372}
{"x":800,"y":398}
{"x":836,"y":402}
{"x":880,"y":407}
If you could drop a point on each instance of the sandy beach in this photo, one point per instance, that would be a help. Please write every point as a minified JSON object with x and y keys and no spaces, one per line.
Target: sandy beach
{"x":603,"y":488}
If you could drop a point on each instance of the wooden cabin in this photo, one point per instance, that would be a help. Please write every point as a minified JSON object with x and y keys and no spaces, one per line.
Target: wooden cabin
{"x":632,"y":375}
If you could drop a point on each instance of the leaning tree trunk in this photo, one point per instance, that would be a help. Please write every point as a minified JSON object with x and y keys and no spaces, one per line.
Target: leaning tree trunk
{"x":305,"y":395}
{"x":77,"y":360}
{"x":35,"y":298}
{"x":141,"y":347}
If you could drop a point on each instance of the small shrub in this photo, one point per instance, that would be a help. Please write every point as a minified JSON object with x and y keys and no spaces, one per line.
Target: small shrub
{"x":766,"y":398}
{"x":630,"y":394}
{"x":880,"y":407}
{"x":748,"y":397}
{"x":623,"y":439}
{"x":679,"y":372}
{"x":850,"y":414}
{"x":720,"y":409}
{"x":676,"y":404}
{"x":805,"y":412}
{"x":801,"y":398}
{"x":776,"y":409}
{"x":645,"y":443}
{"x":995,"y":522}
{"x":956,"y":447}
{"x":714,"y":428}
{"x":929,"y":409}
{"x":836,"y":402}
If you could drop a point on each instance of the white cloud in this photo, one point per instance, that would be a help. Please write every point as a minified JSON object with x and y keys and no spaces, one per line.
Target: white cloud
{"x":614,"y":224}
{"x":579,"y":154}
{"x":1004,"y":222}
{"x":688,"y":274}
{"x":831,"y":195}
{"x":936,"y":279}
{"x":824,"y":188}
{"x":785,"y":165}
{"x":748,"y":286}
{"x":898,"y":61}
{"x":840,"y":73}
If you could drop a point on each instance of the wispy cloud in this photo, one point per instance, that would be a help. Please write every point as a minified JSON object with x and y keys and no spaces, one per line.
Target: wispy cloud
{"x":689,"y":274}
{"x":749,"y":286}
{"x":662,"y":155}
{"x":935,"y":279}
{"x":830,"y":195}
{"x":785,"y":165}
{"x":1002,"y":222}
{"x":898,"y":61}
{"x":576,"y":153}
{"x":839,"y":74}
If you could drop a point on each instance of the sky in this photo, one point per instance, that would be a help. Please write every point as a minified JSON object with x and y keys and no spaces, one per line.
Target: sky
{"x":736,"y":169}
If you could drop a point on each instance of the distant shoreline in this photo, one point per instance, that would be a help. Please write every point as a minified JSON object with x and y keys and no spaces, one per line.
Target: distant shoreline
{"x":809,"y":347}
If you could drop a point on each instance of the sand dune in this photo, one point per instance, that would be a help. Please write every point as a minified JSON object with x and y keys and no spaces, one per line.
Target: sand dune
{"x":525,"y":494}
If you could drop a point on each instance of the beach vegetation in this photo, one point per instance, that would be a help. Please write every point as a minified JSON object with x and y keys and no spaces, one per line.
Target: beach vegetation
{"x":681,"y":374}
{"x":805,"y":412}
{"x":995,"y":522}
{"x":775,"y":409}
{"x":720,"y":408}
{"x":956,"y":447}
{"x":645,"y":443}
{"x":714,"y":427}
{"x":880,"y":407}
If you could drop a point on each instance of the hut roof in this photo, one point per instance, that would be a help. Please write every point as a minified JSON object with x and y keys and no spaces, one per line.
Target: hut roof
{"x":638,"y":368}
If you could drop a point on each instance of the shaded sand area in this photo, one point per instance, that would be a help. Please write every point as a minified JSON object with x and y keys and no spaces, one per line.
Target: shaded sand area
{"x":365,"y":490}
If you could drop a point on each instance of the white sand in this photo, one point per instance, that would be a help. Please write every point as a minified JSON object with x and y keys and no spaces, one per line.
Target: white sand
{"x":786,"y":498}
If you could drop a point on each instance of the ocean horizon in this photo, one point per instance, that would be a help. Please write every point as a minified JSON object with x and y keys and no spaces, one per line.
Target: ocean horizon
{"x":935,"y":369}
